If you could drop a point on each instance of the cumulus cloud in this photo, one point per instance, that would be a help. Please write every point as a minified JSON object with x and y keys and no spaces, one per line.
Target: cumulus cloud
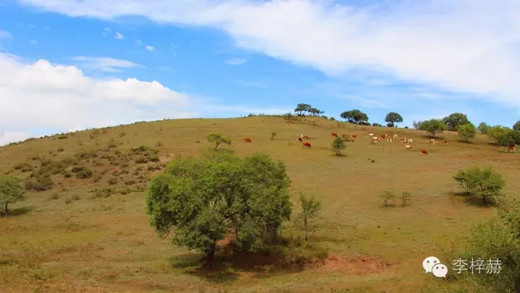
{"x":236,"y":61}
{"x":106,"y":64}
{"x":465,"y":45}
{"x":42,"y":95}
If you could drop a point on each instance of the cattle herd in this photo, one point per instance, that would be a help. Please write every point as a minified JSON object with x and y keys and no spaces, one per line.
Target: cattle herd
{"x":303,"y":139}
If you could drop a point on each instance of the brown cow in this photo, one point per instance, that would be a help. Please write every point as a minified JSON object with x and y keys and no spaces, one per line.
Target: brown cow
{"x":334,"y":134}
{"x":247,"y":139}
{"x":424,"y":152}
{"x":300,"y":139}
{"x":409,"y":147}
{"x":306,"y":145}
{"x":445,"y":142}
{"x":354,"y":136}
{"x":511,"y":148}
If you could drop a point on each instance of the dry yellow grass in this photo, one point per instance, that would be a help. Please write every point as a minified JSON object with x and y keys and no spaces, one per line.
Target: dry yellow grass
{"x":67,"y":239}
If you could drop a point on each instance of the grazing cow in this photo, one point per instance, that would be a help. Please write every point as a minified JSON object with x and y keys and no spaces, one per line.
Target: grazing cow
{"x":410,"y":140}
{"x":396,"y":136}
{"x":305,"y":136}
{"x":371,"y":135}
{"x":409,"y":147}
{"x":432,"y":141}
{"x":354,"y":136}
{"x":446,"y":142}
{"x":511,"y":148}
{"x":403,"y":139}
{"x":334,"y":134}
{"x":306,"y":145}
{"x":375,"y":139}
{"x":247,"y":139}
{"x":424,"y":152}
{"x":300,"y":139}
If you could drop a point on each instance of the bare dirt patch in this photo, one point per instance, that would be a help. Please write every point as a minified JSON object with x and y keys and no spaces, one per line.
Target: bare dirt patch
{"x":359,"y":265}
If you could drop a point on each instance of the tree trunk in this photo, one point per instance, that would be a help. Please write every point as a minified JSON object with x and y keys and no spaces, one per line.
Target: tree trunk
{"x":6,"y":208}
{"x":306,"y":229}
{"x":210,"y":258}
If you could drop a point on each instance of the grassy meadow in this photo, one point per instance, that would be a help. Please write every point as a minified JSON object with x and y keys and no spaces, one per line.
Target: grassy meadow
{"x":92,"y":234}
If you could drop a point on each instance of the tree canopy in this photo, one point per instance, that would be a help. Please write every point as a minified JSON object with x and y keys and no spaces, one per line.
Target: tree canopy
{"x":482,"y":128}
{"x":503,"y":135}
{"x":454,"y":120}
{"x":432,"y":126}
{"x":393,"y":118}
{"x":466,"y":131}
{"x":516,"y":126}
{"x":218,"y":139}
{"x":11,"y":191}
{"x":355,"y":116}
{"x":203,"y":200}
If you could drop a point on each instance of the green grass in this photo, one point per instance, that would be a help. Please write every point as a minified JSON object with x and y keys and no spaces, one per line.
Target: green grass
{"x":101,"y":239}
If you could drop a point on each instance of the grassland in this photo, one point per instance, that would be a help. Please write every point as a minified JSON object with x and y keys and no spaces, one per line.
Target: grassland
{"x":92,"y":234}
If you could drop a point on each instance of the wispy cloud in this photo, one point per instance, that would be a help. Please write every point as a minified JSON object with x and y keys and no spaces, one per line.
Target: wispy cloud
{"x":119,"y":36}
{"x":106,"y":64}
{"x":431,"y":42}
{"x":150,"y":48}
{"x":236,"y":61}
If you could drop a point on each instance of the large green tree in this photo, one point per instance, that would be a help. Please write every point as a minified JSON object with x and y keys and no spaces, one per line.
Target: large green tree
{"x":481,"y":182}
{"x":355,"y":116}
{"x":454,"y":120}
{"x":393,"y":118}
{"x":11,"y":191}
{"x":432,"y":126}
{"x":482,"y":128}
{"x":205,"y":200}
{"x":503,"y":135}
{"x":466,"y":131}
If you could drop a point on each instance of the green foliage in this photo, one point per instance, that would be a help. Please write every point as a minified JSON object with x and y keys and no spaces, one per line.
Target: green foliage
{"x":466,"y":131}
{"x":388,"y":198}
{"x":337,"y":145}
{"x":202,"y":200}
{"x":310,"y":208}
{"x":393,"y":118}
{"x":481,"y":182}
{"x":355,"y":116}
{"x":454,"y":120}
{"x":432,"y":126}
{"x":11,"y":191}
{"x":218,"y":139}
{"x":40,"y":182}
{"x":482,"y":128}
{"x":299,"y":254}
{"x":82,"y":172}
{"x":503,"y":135}
{"x":516,"y":126}
{"x":300,"y":108}
{"x":498,"y":238}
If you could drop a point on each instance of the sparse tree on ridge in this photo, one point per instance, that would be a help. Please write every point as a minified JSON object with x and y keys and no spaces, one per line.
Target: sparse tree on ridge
{"x":393,"y":118}
{"x":355,"y":116}
{"x":454,"y":120}
{"x":300,"y":108}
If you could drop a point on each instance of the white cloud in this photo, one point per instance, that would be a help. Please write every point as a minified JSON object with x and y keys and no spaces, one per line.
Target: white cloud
{"x":149,"y":48}
{"x":8,"y":137}
{"x":106,"y":64}
{"x":465,"y":45}
{"x":40,"y":95}
{"x":236,"y":61}
{"x":119,"y":36}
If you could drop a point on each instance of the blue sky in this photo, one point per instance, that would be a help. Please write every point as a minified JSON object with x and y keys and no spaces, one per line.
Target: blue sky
{"x":69,"y":65}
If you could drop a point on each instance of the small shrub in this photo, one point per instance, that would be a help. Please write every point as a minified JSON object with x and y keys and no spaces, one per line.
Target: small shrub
{"x":82,"y":172}
{"x":39,"y":183}
{"x":23,"y":167}
{"x":405,"y":198}
{"x":112,"y":181}
{"x":68,"y":200}
{"x":141,"y":160}
{"x":54,"y":196}
{"x":59,"y":150}
{"x":83,"y":155}
{"x":62,"y":136}
{"x":154,"y":159}
{"x":75,"y":197}
{"x":122,"y":134}
{"x":483,"y":182}
{"x":388,"y":198}
{"x":102,"y":192}
{"x":273,"y":135}
{"x":158,"y":144}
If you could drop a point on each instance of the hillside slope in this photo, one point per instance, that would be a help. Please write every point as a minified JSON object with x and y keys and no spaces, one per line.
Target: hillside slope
{"x":89,"y":230}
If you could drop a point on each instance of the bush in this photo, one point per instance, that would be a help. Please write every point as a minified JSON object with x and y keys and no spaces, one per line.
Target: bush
{"x":82,"y":172}
{"x":112,"y":181}
{"x":23,"y":167}
{"x":405,"y":198}
{"x":466,"y":131}
{"x":39,"y":183}
{"x":388,"y":198}
{"x":481,"y":182}
{"x":301,"y":254}
{"x":11,"y":191}
{"x":141,"y":160}
{"x":273,"y":134}
{"x":337,"y":145}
